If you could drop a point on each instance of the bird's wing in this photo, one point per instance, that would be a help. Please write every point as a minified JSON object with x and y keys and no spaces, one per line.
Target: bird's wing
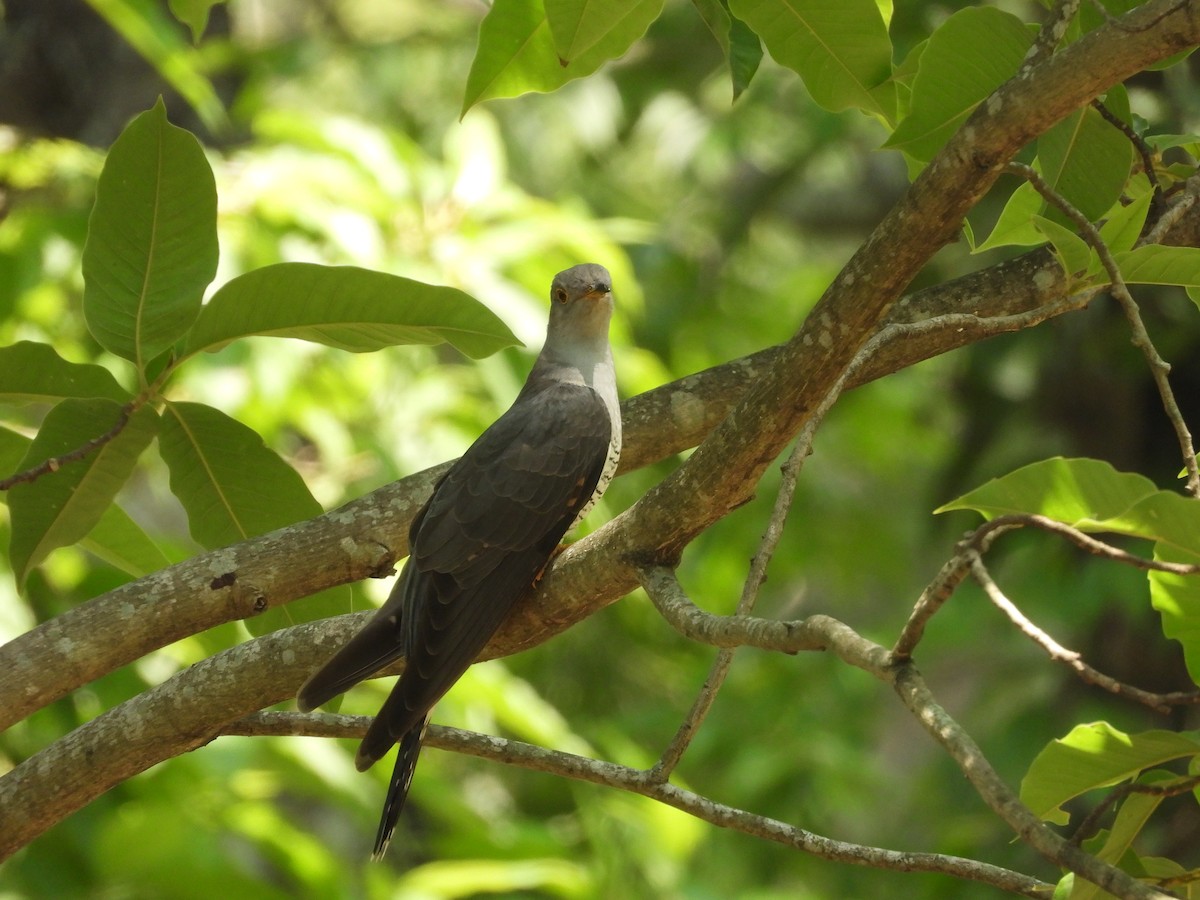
{"x":486,"y":533}
{"x":478,"y":543}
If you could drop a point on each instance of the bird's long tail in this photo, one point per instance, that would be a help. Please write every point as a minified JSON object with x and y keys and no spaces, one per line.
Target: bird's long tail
{"x":402,"y":775}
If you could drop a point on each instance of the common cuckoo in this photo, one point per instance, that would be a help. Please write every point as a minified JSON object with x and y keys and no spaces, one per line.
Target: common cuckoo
{"x":490,"y":527}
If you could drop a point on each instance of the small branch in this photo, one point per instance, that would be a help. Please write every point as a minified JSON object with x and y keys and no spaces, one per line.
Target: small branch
{"x":54,"y":463}
{"x":1159,"y":368}
{"x":1158,"y":702}
{"x":607,"y":774}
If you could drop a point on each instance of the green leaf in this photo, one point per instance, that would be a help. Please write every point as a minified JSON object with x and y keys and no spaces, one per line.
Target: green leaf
{"x":1095,"y":756}
{"x":193,"y":14}
{"x":345,"y":307}
{"x":741,"y":46}
{"x":1015,"y":226}
{"x":970,"y":55}
{"x":1132,"y":814}
{"x":578,"y":25}
{"x":1177,"y":599}
{"x":152,"y":239}
{"x":1156,"y":264}
{"x":1123,"y":224}
{"x":13,"y":447}
{"x":31,"y":371}
{"x":1079,"y":492}
{"x":1086,"y":160}
{"x":516,"y":52}
{"x":234,"y":487}
{"x":840,"y":48}
{"x":121,"y":542}
{"x":61,"y":507}
{"x":1072,"y":251}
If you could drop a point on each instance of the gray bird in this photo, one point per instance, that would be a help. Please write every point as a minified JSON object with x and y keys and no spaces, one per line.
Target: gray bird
{"x":489,"y":529}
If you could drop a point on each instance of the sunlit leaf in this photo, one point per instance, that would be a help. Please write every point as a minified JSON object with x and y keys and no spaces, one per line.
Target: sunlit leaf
{"x":1079,"y":492}
{"x":516,"y":52}
{"x":152,"y":239}
{"x":31,"y":371}
{"x":348,"y":308}
{"x":578,"y":25}
{"x":1095,"y":756}
{"x":59,"y":508}
{"x":1177,"y":599}
{"x":970,"y":55}
{"x":840,"y":48}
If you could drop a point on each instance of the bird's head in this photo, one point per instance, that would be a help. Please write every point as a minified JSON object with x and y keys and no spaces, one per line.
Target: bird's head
{"x":581,"y":304}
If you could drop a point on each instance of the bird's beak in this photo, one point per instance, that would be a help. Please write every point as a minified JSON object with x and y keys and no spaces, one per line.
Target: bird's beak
{"x":598,"y":291}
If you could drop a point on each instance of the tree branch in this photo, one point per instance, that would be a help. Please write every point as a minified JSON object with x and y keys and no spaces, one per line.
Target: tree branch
{"x":606,"y":774}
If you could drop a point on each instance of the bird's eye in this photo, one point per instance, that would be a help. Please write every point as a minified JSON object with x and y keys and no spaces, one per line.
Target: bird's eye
{"x":560,"y":294}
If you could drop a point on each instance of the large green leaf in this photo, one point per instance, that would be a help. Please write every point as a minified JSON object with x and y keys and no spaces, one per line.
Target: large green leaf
{"x":231,"y":485}
{"x":840,"y":48}
{"x":61,"y":507}
{"x":970,"y":55}
{"x":33,"y":371}
{"x":345,"y":307}
{"x":1079,"y":492}
{"x":152,"y":239}
{"x":234,"y":487}
{"x":516,"y":52}
{"x":1086,"y":160}
{"x":1095,"y":756}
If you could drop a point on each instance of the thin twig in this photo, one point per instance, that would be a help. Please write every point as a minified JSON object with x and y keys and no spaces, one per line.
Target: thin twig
{"x":1159,"y":368}
{"x":1158,"y":702}
{"x":592,"y":771}
{"x":54,"y":463}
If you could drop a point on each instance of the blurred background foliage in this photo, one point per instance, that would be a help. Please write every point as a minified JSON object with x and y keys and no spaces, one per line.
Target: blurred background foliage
{"x":337,"y":138}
